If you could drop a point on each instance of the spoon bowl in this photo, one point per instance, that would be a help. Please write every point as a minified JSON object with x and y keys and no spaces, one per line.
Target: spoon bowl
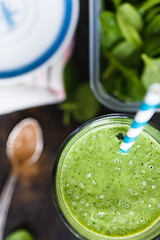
{"x":25,"y":143}
{"x":24,"y":147}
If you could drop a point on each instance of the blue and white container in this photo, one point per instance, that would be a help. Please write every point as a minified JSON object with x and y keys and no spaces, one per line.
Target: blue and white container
{"x":36,"y":40}
{"x":34,"y":33}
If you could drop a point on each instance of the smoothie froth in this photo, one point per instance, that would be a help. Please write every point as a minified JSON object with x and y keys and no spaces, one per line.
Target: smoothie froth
{"x":110,"y":193}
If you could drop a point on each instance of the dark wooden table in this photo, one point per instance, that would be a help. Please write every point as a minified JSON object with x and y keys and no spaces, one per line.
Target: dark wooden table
{"x":32,"y":205}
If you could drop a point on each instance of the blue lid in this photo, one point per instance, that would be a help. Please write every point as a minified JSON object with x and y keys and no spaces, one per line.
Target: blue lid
{"x":33,"y":32}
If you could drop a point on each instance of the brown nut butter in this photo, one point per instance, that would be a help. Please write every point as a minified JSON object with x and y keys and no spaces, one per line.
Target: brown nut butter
{"x":25,"y":144}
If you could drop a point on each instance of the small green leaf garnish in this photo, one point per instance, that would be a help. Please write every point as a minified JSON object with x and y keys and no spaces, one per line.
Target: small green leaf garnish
{"x":120,"y":136}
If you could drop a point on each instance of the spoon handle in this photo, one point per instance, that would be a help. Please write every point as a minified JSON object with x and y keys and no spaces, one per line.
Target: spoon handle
{"x":5,"y":200}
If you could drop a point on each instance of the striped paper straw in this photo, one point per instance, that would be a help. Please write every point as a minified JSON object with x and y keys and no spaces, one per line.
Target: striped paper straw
{"x":147,"y":109}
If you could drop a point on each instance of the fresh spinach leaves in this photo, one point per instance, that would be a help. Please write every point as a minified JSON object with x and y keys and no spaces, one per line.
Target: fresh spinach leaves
{"x":81,"y":104}
{"x":130,"y":36}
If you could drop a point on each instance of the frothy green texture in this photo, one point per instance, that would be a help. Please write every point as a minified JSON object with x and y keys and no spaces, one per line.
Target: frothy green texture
{"x":110,"y":193}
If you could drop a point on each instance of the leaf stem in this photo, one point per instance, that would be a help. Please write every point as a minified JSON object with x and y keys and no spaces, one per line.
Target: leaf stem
{"x":128,"y":73}
{"x":148,"y":4}
{"x":108,"y":71}
{"x":68,"y":106}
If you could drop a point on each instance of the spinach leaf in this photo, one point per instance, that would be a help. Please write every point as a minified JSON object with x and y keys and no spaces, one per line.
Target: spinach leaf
{"x":110,"y":33}
{"x":87,"y":104}
{"x":82,"y":107}
{"x":130,"y":24}
{"x":80,"y":102}
{"x":67,"y":107}
{"x":119,"y":86}
{"x":117,"y":3}
{"x":126,"y":53}
{"x":71,"y":78}
{"x":122,"y":81}
{"x":132,"y":92}
{"x":128,"y":73}
{"x":131,"y":15}
{"x":152,"y":46}
{"x":153,"y":12}
{"x":19,"y":235}
{"x":153,"y":27}
{"x":151,"y":73}
{"x":132,"y":63}
{"x":110,"y":80}
{"x":146,"y":5}
{"x":115,"y":85}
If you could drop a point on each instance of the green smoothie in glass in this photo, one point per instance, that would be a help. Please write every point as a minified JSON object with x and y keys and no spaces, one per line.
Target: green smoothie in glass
{"x":104,"y":194}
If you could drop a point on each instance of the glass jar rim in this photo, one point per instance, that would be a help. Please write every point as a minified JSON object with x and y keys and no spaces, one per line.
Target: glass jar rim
{"x":95,"y":123}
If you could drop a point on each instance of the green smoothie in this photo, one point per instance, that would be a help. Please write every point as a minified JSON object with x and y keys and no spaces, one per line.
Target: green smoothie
{"x":106,"y":192}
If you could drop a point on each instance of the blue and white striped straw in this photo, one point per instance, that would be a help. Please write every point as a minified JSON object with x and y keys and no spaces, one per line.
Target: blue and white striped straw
{"x":147,"y":109}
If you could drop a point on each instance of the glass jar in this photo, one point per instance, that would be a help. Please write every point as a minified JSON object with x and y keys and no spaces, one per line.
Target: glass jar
{"x":72,"y":222}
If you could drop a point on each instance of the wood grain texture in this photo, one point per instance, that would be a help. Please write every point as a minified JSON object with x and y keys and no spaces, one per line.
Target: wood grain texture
{"x":32,"y":205}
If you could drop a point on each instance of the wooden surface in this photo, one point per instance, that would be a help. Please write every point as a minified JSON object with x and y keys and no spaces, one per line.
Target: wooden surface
{"x":32,"y":205}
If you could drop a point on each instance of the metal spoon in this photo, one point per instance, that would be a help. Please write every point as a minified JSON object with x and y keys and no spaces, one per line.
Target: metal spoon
{"x":24,"y":147}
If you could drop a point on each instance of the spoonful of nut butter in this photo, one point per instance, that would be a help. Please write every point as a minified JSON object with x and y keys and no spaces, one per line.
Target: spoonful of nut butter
{"x":24,"y":147}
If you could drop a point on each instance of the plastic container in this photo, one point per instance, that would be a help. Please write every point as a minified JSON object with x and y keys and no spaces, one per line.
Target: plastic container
{"x":95,"y":64}
{"x":36,"y":41}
